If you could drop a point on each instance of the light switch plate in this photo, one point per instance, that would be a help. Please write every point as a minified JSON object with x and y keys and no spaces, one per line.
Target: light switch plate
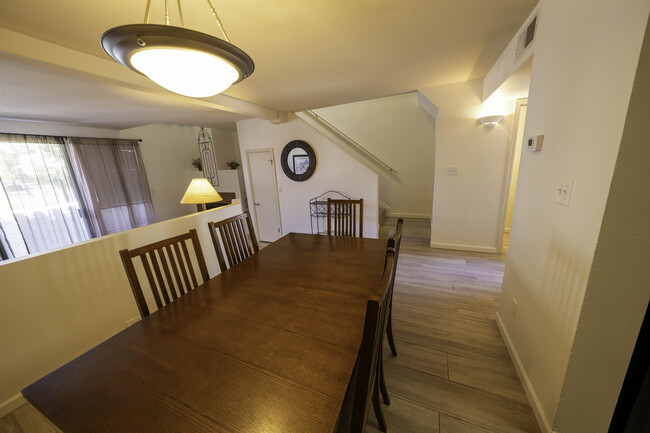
{"x":563,"y":189}
{"x":452,"y":171}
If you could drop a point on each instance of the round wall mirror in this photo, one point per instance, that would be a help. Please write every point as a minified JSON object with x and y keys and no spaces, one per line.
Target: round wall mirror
{"x":298,"y":160}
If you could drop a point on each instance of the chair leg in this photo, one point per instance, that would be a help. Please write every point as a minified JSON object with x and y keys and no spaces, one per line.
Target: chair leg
{"x":382,"y":381}
{"x":389,"y":333}
{"x":379,"y":414}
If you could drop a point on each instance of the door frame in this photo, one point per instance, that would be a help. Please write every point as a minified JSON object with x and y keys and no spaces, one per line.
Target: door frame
{"x":508,"y":175}
{"x":252,"y":208}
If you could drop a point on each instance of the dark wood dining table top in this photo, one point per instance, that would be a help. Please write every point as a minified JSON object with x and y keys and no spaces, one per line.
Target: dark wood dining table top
{"x":267,"y":346}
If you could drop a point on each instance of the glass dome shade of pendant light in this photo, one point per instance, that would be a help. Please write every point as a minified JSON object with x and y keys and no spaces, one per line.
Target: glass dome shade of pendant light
{"x":188,"y":72}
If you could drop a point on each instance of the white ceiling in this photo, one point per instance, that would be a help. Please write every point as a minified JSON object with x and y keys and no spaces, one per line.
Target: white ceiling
{"x":307,"y":53}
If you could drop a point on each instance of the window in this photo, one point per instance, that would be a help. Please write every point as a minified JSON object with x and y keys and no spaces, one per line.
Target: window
{"x":113,"y":181}
{"x":56,"y":191}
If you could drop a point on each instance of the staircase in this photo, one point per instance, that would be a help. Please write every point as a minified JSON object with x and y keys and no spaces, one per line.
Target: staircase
{"x":382,"y":212}
{"x":346,"y":143}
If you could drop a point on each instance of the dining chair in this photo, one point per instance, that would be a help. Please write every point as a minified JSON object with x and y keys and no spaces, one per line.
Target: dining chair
{"x":342,"y":217}
{"x":393,"y":247}
{"x":394,"y":242}
{"x":366,"y":390}
{"x":235,"y":244}
{"x":172,"y":256}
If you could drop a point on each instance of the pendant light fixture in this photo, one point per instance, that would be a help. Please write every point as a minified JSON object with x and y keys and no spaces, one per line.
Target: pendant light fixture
{"x":181,"y":60}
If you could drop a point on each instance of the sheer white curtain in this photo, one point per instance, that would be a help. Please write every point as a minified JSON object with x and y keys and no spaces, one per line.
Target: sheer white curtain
{"x":113,"y":181}
{"x":40,"y":207}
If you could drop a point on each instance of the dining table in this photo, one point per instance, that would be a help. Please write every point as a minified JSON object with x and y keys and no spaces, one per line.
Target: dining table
{"x":267,"y":346}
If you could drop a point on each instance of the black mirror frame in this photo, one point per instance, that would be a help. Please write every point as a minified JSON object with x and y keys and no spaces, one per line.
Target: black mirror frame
{"x":312,"y":160}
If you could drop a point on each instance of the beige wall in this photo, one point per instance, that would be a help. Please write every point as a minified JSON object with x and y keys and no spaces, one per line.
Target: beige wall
{"x":618,"y":290}
{"x":467,"y":208}
{"x":54,"y":306}
{"x":516,"y":148}
{"x":167,"y":151}
{"x":335,"y":170}
{"x":224,"y":147}
{"x":505,"y":66}
{"x":400,"y":133}
{"x":584,"y":63}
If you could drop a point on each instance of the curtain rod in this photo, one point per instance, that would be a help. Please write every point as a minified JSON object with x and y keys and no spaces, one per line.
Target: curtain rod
{"x":61,"y":136}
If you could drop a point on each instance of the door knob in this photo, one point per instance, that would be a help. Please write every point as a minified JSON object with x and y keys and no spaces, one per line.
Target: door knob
{"x":256,"y":204}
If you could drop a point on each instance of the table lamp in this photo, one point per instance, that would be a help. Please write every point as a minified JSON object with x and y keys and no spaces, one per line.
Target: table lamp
{"x":200,"y":192}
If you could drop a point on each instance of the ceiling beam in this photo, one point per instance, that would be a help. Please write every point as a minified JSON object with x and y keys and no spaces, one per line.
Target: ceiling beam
{"x":20,"y":48}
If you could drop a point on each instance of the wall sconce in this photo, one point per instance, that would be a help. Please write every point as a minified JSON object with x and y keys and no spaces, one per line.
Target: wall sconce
{"x":490,"y":121}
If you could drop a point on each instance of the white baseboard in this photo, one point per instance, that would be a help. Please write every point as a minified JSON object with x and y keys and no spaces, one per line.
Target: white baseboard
{"x":426,"y":216}
{"x":542,"y":420}
{"x":11,"y":404}
{"x":460,"y":247}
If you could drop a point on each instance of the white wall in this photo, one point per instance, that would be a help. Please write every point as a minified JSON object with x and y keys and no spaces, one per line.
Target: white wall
{"x":224,"y":147}
{"x":56,"y":305}
{"x":229,"y":182}
{"x":400,"y":133}
{"x":584,"y":63}
{"x":167,"y":152}
{"x":335,"y":170}
{"x":467,"y":208}
{"x":517,"y":145}
{"x":618,"y":290}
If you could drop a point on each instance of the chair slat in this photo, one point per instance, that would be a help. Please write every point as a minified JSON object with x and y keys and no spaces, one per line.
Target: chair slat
{"x":168,"y":276}
{"x":227,"y":244}
{"x":343,"y":218}
{"x":236,"y":253}
{"x":174,"y":268}
{"x":182,"y":266}
{"x":163,"y":265}
{"x":152,"y":281}
{"x":159,"y":277}
{"x":243,"y":241}
{"x":132,"y":276}
{"x":190,"y":268}
{"x":199,"y":255}
{"x":231,"y":241}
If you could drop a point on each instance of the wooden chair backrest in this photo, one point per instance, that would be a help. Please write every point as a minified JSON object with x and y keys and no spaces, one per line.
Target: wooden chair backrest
{"x":166,"y":257}
{"x":396,"y":240}
{"x":373,"y":332}
{"x":235,"y":245}
{"x":342,"y":217}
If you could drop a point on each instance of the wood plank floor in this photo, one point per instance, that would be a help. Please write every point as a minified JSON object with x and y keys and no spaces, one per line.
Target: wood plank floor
{"x":452,"y":373}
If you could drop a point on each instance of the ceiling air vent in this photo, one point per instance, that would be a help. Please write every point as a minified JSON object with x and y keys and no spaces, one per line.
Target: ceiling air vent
{"x":525,"y":39}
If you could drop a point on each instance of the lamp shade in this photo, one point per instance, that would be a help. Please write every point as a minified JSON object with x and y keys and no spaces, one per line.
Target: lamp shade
{"x":200,"y":191}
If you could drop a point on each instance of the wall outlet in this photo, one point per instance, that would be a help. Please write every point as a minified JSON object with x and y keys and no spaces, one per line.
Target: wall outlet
{"x":563,"y":189}
{"x":452,"y":171}
{"x":132,"y":321}
{"x":513,"y":308}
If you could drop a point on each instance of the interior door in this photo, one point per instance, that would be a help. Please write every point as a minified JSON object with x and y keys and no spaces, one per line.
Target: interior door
{"x":261,"y":168}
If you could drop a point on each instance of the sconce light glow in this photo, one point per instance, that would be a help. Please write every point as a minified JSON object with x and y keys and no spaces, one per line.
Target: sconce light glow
{"x":490,"y":121}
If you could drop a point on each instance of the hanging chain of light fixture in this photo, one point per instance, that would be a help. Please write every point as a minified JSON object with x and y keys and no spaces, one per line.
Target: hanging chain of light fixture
{"x":184,"y":61}
{"x":147,"y":12}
